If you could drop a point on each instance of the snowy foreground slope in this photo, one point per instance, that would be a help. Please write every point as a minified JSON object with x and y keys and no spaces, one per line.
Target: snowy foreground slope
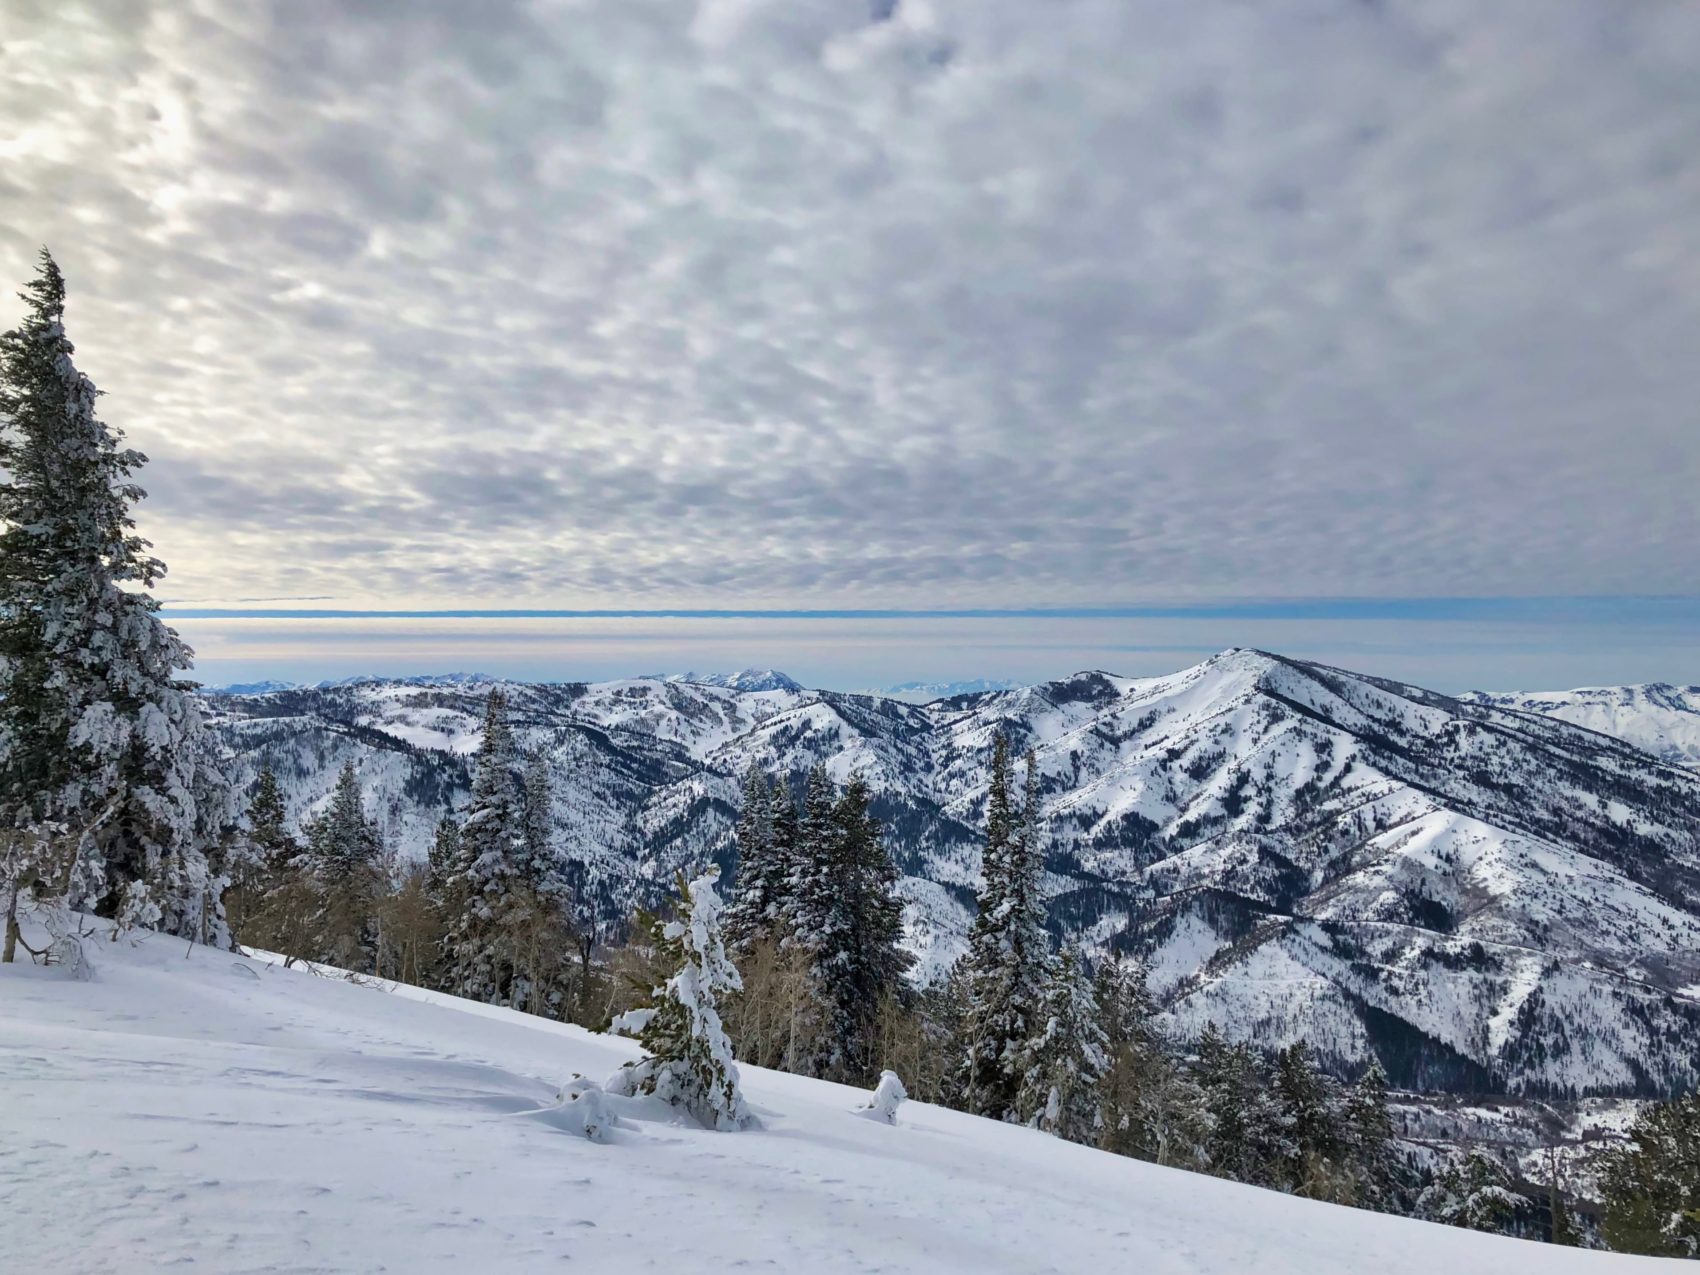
{"x":214,"y":1110}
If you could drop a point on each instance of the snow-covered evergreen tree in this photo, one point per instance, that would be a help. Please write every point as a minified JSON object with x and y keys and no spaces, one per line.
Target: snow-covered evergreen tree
{"x":1367,"y":1130}
{"x":1241,"y":1115}
{"x":1007,"y":950}
{"x":268,"y":827}
{"x":815,"y":915}
{"x":1068,"y":1058}
{"x":442,"y":861}
{"x":342,"y":843}
{"x":1309,"y":1145}
{"x":874,"y":963}
{"x":98,"y":736}
{"x":1651,"y":1186}
{"x":688,"y":1060}
{"x":344,"y":850}
{"x":1152,"y":1109}
{"x":540,"y":866}
{"x":1475,"y":1194}
{"x":759,"y":892}
{"x":490,"y":876}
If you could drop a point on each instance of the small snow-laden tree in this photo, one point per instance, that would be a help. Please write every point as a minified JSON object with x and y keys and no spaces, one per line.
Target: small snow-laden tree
{"x":1067,"y":1059}
{"x":97,"y":733}
{"x":688,"y":1061}
{"x":888,"y":1095}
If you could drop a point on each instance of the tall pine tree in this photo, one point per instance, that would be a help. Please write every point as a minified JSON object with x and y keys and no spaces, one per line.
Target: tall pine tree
{"x":1067,"y":1060}
{"x":1007,"y":949}
{"x":480,"y":956}
{"x":761,"y":883}
{"x":98,"y":736}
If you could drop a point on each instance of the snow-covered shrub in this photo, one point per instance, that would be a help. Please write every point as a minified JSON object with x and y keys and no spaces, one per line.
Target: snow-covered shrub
{"x":581,"y":1107}
{"x":882,"y":1106}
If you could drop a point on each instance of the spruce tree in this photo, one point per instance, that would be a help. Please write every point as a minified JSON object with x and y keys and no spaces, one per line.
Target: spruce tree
{"x":688,"y":1060}
{"x":442,"y":860}
{"x":1651,"y":1187}
{"x":343,"y":843}
{"x":344,"y":849}
{"x":537,"y":826}
{"x":810,"y":910}
{"x":1007,"y":950}
{"x":1152,"y":1110}
{"x":1067,"y":1059}
{"x":1239,"y":1110}
{"x":877,"y":962}
{"x":480,"y":956}
{"x":785,"y":822}
{"x":818,"y":926}
{"x":760,"y":887}
{"x":1309,"y":1143}
{"x":1368,"y":1134}
{"x":98,"y":736}
{"x":858,"y":960}
{"x":268,"y":827}
{"x":267,"y":855}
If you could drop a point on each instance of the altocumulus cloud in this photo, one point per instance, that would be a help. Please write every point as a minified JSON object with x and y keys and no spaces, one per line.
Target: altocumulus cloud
{"x":804,"y":302}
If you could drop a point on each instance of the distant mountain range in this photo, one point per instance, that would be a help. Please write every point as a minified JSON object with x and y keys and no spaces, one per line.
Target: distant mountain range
{"x":1485,"y":896}
{"x":1660,"y":718}
{"x":750,"y":679}
{"x":923,"y":691}
{"x":362,"y":679}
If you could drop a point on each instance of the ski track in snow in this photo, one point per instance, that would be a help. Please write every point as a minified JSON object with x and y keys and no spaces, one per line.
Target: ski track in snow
{"x":220,"y":1113}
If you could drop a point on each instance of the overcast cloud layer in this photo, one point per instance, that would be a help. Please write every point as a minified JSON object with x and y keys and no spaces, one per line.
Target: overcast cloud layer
{"x":818,"y":302}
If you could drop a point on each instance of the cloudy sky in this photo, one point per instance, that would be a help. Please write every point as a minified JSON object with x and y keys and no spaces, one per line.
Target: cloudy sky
{"x":851,"y":304}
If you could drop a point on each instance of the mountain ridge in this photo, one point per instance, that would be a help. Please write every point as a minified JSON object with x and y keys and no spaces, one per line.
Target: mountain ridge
{"x":1479,"y":896}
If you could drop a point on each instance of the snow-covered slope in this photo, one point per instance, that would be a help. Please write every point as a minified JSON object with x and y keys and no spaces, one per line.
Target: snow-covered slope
{"x":1481,"y":897}
{"x":1660,"y":718}
{"x":210,"y":1111}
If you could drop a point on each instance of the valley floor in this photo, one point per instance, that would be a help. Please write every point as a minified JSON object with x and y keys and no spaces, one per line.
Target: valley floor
{"x":220,"y":1113}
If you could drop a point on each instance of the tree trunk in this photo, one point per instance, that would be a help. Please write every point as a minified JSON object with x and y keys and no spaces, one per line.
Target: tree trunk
{"x":10,"y":953}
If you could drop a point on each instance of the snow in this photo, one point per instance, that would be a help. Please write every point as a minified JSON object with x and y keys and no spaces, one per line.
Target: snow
{"x":197,"y":1107}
